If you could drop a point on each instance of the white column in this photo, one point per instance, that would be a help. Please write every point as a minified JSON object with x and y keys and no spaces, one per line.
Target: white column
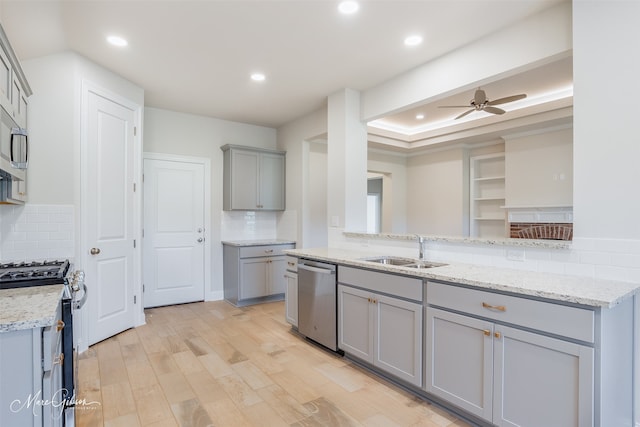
{"x":347,"y":163}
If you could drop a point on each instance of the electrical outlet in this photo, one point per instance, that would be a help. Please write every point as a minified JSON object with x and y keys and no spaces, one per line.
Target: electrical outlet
{"x":335,"y":221}
{"x":515,"y":254}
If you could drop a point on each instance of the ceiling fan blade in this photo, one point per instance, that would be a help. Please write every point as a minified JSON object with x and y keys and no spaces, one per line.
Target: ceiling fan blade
{"x":453,"y":106}
{"x":493,"y":110}
{"x":479,"y":97}
{"x":507,"y":99}
{"x":465,"y":113}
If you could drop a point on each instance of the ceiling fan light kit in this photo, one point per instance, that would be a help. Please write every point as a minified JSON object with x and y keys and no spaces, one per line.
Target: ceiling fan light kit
{"x":480,"y":102}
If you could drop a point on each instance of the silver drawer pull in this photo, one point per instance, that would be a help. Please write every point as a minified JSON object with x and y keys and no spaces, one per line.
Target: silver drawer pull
{"x":494,"y":307}
{"x":268,"y":251}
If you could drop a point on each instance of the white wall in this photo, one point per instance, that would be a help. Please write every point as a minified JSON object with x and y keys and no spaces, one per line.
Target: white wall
{"x":438,"y":185}
{"x":317,"y":222}
{"x":293,"y":138}
{"x":539,"y":169}
{"x":394,"y":200}
{"x":172,"y":132}
{"x":606,"y":143}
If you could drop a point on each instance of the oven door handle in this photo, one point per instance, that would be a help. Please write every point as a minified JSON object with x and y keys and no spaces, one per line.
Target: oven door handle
{"x":79,"y":304}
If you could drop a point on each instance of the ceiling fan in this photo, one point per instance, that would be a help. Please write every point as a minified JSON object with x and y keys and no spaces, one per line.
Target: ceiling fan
{"x":481,"y":103}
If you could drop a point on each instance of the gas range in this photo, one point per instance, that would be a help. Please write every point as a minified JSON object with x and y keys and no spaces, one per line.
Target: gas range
{"x":33,"y":273}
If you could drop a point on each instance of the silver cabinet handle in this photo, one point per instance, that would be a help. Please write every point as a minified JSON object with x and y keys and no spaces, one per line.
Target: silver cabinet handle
{"x":200,"y":239}
{"x":94,"y":251}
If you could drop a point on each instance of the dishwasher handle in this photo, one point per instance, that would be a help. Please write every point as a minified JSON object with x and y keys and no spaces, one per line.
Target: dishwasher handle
{"x":316,"y":269}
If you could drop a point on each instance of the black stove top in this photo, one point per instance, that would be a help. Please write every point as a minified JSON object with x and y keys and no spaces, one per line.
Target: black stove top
{"x":34,"y":273}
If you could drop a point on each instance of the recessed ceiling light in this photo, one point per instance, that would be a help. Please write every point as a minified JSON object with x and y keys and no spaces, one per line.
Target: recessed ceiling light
{"x":258,"y":77}
{"x":420,"y":116}
{"x":117,"y":41}
{"x":348,"y":7}
{"x":413,"y":40}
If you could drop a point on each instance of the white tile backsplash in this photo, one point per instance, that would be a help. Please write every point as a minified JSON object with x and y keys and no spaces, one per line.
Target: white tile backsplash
{"x":248,"y":225}
{"x":36,"y":232}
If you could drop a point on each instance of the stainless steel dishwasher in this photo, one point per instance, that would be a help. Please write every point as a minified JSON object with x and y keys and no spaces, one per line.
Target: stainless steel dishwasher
{"x":317,"y":304}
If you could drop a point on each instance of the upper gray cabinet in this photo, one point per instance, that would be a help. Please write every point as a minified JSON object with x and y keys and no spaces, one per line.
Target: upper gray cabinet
{"x":14,"y":88}
{"x":254,"y":179}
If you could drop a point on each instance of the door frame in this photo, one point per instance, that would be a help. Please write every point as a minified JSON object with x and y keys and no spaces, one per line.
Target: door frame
{"x":209,"y":295}
{"x":87,"y":88}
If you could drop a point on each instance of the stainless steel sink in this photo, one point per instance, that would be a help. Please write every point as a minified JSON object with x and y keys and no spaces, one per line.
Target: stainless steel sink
{"x":424,"y":264}
{"x":403,"y":262}
{"x":391,"y":260}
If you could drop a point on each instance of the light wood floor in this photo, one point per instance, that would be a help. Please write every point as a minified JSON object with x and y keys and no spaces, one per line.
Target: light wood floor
{"x":212,"y":364}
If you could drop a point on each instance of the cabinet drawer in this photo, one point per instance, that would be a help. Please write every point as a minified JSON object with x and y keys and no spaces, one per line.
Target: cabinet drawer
{"x":572,"y":322}
{"x":292,"y":263}
{"x":401,"y":286}
{"x":259,"y":251}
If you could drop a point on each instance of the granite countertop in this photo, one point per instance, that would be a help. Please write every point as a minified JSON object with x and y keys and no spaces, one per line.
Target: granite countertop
{"x":31,"y":307}
{"x":259,"y":242}
{"x":573,"y":289}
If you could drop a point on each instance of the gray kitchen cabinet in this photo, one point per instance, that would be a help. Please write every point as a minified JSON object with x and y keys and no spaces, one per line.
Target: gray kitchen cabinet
{"x":515,"y":361}
{"x":31,"y":372}
{"x":291,"y":292}
{"x":505,"y":375}
{"x":382,"y":330}
{"x":255,"y":273}
{"x":254,"y":179}
{"x":14,"y":88}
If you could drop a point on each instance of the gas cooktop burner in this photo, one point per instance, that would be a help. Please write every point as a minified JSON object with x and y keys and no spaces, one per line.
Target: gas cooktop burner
{"x":34,"y":273}
{"x":31,"y":264}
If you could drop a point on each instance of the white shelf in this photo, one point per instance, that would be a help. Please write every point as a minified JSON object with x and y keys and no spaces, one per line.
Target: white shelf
{"x":484,"y":199}
{"x":486,"y":195}
{"x":490,"y":178}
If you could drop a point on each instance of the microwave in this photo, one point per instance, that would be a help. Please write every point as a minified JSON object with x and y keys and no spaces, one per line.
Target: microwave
{"x":14,"y":148}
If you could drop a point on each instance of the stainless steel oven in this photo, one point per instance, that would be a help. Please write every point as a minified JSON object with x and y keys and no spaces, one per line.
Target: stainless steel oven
{"x":41,"y":273}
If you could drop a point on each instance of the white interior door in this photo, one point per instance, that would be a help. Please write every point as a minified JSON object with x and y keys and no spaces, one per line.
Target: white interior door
{"x":110,"y":233}
{"x":174,"y":232}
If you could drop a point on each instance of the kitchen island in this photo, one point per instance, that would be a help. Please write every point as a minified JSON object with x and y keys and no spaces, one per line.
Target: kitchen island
{"x":496,"y":346}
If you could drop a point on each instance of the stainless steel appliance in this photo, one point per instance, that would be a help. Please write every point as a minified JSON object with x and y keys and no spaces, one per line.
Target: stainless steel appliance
{"x":41,"y":273}
{"x":14,"y":152}
{"x":317,"y":304}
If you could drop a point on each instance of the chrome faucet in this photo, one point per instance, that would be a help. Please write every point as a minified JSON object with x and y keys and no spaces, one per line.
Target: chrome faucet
{"x":421,"y":247}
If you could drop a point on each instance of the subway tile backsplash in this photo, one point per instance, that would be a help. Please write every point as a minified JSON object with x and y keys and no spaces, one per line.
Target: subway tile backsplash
{"x":36,"y":232}
{"x":248,"y":225}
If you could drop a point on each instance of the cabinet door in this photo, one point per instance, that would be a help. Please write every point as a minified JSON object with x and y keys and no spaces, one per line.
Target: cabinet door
{"x":5,"y":80}
{"x":541,"y":381}
{"x":291,"y":298}
{"x":277,"y":282}
{"x":244,"y":180}
{"x":398,"y":339}
{"x":253,"y":278}
{"x":271,"y":183}
{"x":459,"y":361}
{"x":355,"y":322}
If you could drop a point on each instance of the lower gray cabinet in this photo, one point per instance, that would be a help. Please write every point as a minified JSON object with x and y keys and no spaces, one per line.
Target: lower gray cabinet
{"x":291,"y":292}
{"x":383,"y":331}
{"x":31,"y":373}
{"x":508,"y":376}
{"x":254,"y":273}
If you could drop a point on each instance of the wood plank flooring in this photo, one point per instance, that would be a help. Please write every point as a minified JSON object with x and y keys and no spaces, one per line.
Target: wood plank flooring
{"x":212,"y":364}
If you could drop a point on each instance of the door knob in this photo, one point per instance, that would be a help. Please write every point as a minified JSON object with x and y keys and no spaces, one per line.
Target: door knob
{"x":94,"y":251}
{"x":200,"y":239}
{"x":199,"y":230}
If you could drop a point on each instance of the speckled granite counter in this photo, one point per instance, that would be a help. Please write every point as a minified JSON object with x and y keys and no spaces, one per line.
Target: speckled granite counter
{"x":26,"y":308}
{"x":573,"y":289}
{"x":263,"y":242}
{"x":532,"y":243}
